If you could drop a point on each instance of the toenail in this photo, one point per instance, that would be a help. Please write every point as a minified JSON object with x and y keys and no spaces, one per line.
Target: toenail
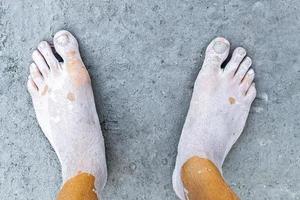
{"x":33,"y":67}
{"x":43,"y":44}
{"x":241,"y":51}
{"x":251,"y":71}
{"x":248,"y":61}
{"x":35,"y":53}
{"x":62,"y":40}
{"x":220,"y":47}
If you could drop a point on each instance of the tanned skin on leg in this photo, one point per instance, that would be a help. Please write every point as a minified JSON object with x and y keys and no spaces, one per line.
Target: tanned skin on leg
{"x":64,"y":104}
{"x":203,"y":181}
{"x":80,"y":187}
{"x":217,"y":115}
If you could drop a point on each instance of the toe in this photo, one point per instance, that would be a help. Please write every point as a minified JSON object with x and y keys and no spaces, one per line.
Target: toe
{"x":247,"y":81}
{"x":251,"y":93}
{"x":243,"y":69}
{"x":40,"y":63}
{"x":48,"y":55}
{"x":216,"y":53}
{"x":31,"y":87}
{"x":66,"y":45}
{"x":235,"y":61}
{"x":36,"y":76}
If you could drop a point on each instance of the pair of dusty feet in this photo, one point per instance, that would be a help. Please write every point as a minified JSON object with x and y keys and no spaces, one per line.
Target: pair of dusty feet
{"x":64,"y":104}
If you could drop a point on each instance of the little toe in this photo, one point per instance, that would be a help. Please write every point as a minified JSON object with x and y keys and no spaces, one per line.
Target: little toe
{"x":235,"y":61}
{"x":216,"y":53}
{"x":48,"y":55}
{"x":251,"y":93}
{"x":31,"y":87}
{"x":66,"y":45}
{"x":40,"y":63}
{"x":247,"y":81}
{"x":243,"y":69}
{"x":36,"y":76}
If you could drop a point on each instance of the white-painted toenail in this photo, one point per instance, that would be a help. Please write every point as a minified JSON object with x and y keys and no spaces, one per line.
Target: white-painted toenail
{"x":220,"y":47}
{"x":43,"y":44}
{"x":251,"y":71}
{"x":62,"y":40}
{"x":248,"y":61}
{"x":241,"y":51}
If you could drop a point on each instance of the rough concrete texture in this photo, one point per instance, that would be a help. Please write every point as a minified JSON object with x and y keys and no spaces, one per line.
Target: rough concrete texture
{"x":143,"y":57}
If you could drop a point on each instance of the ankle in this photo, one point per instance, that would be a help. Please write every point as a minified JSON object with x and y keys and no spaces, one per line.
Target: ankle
{"x":202,"y":151}
{"x":99,"y":174}
{"x":72,"y":168}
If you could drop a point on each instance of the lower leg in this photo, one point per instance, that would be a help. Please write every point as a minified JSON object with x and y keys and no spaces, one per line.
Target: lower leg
{"x":217,"y":115}
{"x":80,"y":187}
{"x":202,"y":180}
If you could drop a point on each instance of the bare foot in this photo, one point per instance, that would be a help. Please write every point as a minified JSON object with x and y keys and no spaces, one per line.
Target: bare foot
{"x":63,"y":100}
{"x":218,"y":109}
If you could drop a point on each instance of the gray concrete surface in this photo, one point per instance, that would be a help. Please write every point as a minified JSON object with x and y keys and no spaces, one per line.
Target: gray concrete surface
{"x":143,"y":57}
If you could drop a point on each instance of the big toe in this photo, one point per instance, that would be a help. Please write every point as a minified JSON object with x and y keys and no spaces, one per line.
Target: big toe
{"x":216,"y":53}
{"x":66,"y":45}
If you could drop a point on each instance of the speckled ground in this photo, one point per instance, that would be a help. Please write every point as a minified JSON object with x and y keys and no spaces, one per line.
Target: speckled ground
{"x":143,"y":57}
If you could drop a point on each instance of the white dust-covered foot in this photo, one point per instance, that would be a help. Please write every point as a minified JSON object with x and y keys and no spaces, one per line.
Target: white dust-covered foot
{"x":218,"y":109}
{"x":64,"y":104}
